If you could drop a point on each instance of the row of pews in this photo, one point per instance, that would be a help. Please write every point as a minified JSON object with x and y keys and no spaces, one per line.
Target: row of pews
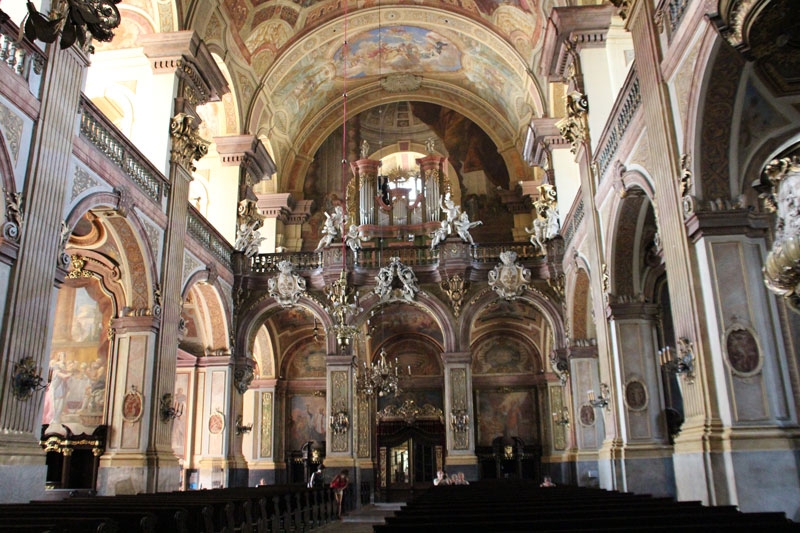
{"x":270,"y":509}
{"x":495,"y":506}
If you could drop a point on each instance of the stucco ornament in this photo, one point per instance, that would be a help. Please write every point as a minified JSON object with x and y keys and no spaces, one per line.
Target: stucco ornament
{"x":545,"y":223}
{"x":509,"y":279}
{"x":781,"y":186}
{"x":396,"y":281}
{"x":287,"y":287}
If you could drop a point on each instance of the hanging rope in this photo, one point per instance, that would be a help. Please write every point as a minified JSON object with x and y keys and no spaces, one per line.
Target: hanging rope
{"x":344,"y":133}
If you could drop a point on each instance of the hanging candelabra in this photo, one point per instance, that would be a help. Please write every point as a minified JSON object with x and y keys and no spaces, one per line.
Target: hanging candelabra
{"x":343,"y":305}
{"x":379,"y":378}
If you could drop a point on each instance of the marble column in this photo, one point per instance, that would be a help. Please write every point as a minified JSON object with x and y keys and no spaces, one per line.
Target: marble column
{"x":340,"y":404}
{"x":31,"y":295}
{"x":572,"y":35}
{"x":189,"y":74}
{"x":588,"y":423}
{"x":214,"y":417}
{"x":124,"y":467}
{"x":458,"y":405}
{"x":645,"y":461}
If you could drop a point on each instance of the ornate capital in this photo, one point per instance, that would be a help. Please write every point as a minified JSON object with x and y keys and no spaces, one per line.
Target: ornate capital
{"x":187,"y":145}
{"x":575,"y":126}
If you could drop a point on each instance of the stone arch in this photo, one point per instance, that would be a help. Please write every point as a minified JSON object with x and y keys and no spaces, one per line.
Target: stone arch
{"x":631,"y":227}
{"x":550,"y":311}
{"x":207,"y":293}
{"x":581,"y":306}
{"x":127,"y":232}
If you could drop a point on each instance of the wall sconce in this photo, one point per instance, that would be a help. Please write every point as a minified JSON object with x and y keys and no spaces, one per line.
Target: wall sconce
{"x":241,"y":429}
{"x":562,"y":418}
{"x":681,"y":362}
{"x":340,"y":422}
{"x":26,"y":379}
{"x":602,"y":400}
{"x":459,"y":420}
{"x":170,"y":411}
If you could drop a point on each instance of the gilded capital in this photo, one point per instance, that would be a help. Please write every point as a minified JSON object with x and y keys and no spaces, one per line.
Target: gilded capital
{"x":187,"y":145}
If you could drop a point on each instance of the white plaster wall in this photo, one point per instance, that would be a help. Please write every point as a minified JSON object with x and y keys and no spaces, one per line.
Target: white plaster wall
{"x":568,"y":181}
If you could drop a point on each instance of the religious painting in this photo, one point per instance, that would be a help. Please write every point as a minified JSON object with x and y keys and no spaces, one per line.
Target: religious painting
{"x":398,"y":320}
{"x":398,"y":49}
{"x":586,"y":415}
{"x":306,"y":421}
{"x":743,"y":352}
{"x":216,"y":423}
{"x":506,"y":310}
{"x":505,"y":414}
{"x":307,"y":361}
{"x":132,"y":405}
{"x":76,"y":391}
{"x":502,"y":355}
{"x":636,"y":395}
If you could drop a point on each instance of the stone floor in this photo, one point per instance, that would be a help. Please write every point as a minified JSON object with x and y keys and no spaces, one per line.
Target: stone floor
{"x":361,"y":520}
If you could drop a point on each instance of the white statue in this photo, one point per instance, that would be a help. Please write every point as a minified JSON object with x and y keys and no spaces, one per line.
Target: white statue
{"x":440,"y":234}
{"x":353,"y":240}
{"x":332,"y":227}
{"x":450,"y":209}
{"x":463,"y":225}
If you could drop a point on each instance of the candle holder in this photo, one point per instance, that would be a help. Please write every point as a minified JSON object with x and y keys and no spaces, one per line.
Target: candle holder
{"x":459,"y":420}
{"x":562,"y":418}
{"x":340,"y":422}
{"x":680,"y":363}
{"x":26,"y":379}
{"x":241,"y":429}
{"x":600,"y":401}
{"x":169,"y":410}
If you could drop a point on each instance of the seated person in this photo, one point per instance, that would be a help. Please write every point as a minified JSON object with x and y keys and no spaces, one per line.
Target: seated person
{"x":547,"y":482}
{"x":441,"y":478}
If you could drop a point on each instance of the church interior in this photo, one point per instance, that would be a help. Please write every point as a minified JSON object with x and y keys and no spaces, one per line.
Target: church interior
{"x":506,"y":238}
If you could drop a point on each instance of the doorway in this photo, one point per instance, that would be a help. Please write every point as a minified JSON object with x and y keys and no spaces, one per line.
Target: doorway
{"x":408,"y":458}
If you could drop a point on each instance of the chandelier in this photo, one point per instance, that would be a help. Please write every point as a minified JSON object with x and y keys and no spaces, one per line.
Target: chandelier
{"x":343,"y":305}
{"x":379,"y":378}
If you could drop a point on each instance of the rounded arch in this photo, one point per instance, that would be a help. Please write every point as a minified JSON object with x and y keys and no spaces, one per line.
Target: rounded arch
{"x":551,"y":312}
{"x":633,"y":223}
{"x":209,"y":292}
{"x":428,"y":303}
{"x":581,"y":305}
{"x":494,"y":81}
{"x":127,"y":232}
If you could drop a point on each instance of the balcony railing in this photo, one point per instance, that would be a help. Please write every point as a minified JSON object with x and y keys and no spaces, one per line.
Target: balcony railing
{"x":409,"y":256}
{"x":628,"y":102}
{"x":268,"y":263}
{"x":202,"y":230}
{"x":99,"y":131}
{"x":23,"y":57}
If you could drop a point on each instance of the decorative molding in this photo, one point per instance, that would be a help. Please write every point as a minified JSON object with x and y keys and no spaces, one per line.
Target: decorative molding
{"x":287,"y":287}
{"x":187,"y":145}
{"x":401,"y":82}
{"x":385,"y":281}
{"x":509,"y":279}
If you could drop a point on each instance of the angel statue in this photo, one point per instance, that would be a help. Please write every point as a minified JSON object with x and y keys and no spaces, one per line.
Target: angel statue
{"x":353,"y":240}
{"x":332,"y":227}
{"x":463,"y":225}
